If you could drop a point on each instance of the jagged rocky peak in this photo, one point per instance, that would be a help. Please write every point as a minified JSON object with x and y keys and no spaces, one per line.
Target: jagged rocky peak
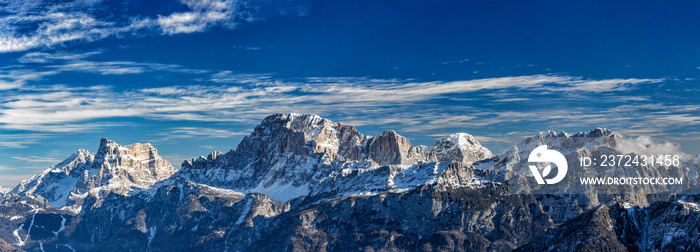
{"x":113,"y":167}
{"x":204,"y":162}
{"x":136,"y":157}
{"x":282,"y":149}
{"x":214,"y":155}
{"x":303,"y":134}
{"x":111,"y":151}
{"x":74,"y":161}
{"x":563,"y":140}
{"x":52,"y":177}
{"x":460,"y":147}
{"x":391,"y":148}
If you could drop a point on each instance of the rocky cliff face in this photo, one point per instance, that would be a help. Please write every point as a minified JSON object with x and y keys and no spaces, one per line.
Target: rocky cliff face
{"x":137,"y":164}
{"x":304,"y":183}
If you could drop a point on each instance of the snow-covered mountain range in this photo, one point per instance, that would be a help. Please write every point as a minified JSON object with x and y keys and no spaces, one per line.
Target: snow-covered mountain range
{"x":293,"y":155}
{"x":302,"y":182}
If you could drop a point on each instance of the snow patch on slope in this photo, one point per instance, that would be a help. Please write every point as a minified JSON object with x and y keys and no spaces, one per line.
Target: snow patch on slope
{"x":63,"y":226}
{"x":151,"y":233}
{"x":20,"y":242}
{"x":61,"y":191}
{"x":282,"y":192}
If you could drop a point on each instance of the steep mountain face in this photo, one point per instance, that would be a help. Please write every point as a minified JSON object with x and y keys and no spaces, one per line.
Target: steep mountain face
{"x":178,"y":215}
{"x":287,"y":156}
{"x":304,"y":183}
{"x":115,"y":168}
{"x":478,"y":218}
{"x":619,"y":226}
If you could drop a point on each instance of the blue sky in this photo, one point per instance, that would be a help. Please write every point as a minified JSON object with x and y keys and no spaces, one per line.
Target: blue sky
{"x":192,"y":77}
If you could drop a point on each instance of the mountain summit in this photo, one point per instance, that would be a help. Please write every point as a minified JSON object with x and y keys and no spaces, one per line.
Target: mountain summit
{"x":115,"y":168}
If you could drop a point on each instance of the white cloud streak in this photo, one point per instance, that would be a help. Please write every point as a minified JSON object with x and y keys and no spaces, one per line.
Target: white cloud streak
{"x":74,"y":110}
{"x":41,"y":24}
{"x":200,"y":132}
{"x":37,"y":159}
{"x":15,"y":78}
{"x":41,"y":57}
{"x":19,"y":141}
{"x":39,"y":65}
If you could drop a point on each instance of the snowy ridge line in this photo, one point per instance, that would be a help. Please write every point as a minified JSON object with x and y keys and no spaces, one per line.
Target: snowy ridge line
{"x":295,"y":155}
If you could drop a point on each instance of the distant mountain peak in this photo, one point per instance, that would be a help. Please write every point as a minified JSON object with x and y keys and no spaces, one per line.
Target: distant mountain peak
{"x":105,"y":141}
{"x":460,"y":147}
{"x":79,"y":157}
{"x":114,"y":167}
{"x":294,"y":121}
{"x":600,"y":132}
{"x":597,"y":132}
{"x":4,"y":190}
{"x":137,"y":150}
{"x":140,"y":163}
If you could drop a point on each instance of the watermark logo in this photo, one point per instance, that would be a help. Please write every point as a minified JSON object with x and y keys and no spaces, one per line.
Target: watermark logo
{"x":542,"y":154}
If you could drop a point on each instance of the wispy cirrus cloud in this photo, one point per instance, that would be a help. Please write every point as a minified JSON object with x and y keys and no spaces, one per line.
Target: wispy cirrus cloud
{"x":19,"y":141}
{"x":14,"y":78}
{"x":203,"y":14}
{"x":364,"y":90}
{"x":37,"y":159}
{"x":69,"y":110}
{"x":40,"y":24}
{"x":200,"y":132}
{"x":81,"y":62}
{"x":37,"y":66}
{"x":121,"y":67}
{"x":42,"y":57}
{"x":231,"y":77}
